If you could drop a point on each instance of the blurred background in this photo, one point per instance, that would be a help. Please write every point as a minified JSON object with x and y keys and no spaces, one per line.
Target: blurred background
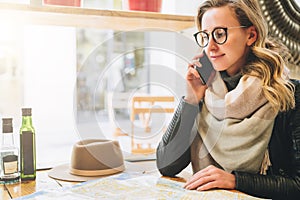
{"x":80,"y":82}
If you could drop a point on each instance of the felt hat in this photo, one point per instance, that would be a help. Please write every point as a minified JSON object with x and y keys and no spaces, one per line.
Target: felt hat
{"x":91,"y":159}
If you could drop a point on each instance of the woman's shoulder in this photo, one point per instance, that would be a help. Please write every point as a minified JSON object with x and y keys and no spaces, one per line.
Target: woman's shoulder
{"x":296,"y":83}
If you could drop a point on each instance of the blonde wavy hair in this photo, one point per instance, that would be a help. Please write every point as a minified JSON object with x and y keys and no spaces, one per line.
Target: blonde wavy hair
{"x":264,"y":60}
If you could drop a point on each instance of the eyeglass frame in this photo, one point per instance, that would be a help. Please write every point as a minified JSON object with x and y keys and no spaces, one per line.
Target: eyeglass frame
{"x":212,"y":33}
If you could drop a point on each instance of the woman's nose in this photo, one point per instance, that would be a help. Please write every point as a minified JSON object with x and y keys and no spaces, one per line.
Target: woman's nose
{"x":212,"y":45}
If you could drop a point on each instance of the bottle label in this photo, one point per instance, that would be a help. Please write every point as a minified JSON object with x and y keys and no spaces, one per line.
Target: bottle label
{"x":10,"y":164}
{"x":27,"y":152}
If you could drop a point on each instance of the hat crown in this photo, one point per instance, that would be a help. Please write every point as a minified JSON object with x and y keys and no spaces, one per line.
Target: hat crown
{"x":94,"y":157}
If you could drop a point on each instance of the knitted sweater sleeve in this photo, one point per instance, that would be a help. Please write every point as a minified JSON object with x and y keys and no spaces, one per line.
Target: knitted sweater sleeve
{"x":173,"y":151}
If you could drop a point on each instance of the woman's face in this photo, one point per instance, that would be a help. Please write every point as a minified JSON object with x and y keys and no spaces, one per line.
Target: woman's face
{"x":230,"y":56}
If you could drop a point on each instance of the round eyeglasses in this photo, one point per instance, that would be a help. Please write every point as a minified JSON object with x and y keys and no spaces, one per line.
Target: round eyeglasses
{"x":219,"y":35}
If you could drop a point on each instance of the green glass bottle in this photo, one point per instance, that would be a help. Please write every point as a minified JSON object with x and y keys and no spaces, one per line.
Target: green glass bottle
{"x":27,"y":147}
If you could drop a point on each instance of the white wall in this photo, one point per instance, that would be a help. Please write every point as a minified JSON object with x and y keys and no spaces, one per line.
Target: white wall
{"x":49,"y":83}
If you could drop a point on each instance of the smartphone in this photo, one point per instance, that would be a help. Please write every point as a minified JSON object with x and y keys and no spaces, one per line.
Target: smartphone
{"x":206,"y":70}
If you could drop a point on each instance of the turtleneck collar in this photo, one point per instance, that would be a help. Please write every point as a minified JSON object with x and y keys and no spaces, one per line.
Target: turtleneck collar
{"x":230,"y":81}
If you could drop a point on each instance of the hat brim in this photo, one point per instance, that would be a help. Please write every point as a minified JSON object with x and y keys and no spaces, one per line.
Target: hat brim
{"x":62,"y":172}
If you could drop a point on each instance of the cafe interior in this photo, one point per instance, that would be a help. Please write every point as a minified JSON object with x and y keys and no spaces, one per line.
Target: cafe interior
{"x":105,"y":69}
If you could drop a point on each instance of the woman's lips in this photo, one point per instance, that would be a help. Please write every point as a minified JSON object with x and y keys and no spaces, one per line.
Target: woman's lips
{"x":216,"y":56}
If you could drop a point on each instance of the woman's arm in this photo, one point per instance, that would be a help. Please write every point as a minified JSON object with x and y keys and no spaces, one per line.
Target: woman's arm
{"x":173,"y":151}
{"x":268,"y":186}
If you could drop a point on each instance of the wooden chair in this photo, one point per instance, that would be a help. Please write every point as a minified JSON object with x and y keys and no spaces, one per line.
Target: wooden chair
{"x":143,"y":109}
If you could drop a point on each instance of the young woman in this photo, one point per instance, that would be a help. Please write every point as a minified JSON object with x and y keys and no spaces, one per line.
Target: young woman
{"x":243,"y":124}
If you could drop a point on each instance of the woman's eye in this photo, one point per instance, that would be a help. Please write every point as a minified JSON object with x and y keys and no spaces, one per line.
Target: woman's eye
{"x":219,"y":34}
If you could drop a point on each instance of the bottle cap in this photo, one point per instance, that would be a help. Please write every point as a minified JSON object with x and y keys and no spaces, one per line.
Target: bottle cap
{"x":26,"y":111}
{"x":7,"y":125}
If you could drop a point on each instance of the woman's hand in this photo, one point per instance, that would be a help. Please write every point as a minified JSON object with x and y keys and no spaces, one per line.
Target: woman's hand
{"x":195,"y":88}
{"x":209,"y":178}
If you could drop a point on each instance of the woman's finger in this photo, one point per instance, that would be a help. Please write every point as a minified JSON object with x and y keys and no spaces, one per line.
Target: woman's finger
{"x":196,"y":177}
{"x":192,"y":73}
{"x":208,"y":171}
{"x":207,"y":186}
{"x":200,"y":181}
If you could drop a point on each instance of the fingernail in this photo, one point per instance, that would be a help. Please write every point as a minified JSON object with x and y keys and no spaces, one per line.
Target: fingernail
{"x":199,"y":188}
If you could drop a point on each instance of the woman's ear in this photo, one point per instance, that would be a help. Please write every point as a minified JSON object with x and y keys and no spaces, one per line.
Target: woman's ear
{"x":252,"y":35}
